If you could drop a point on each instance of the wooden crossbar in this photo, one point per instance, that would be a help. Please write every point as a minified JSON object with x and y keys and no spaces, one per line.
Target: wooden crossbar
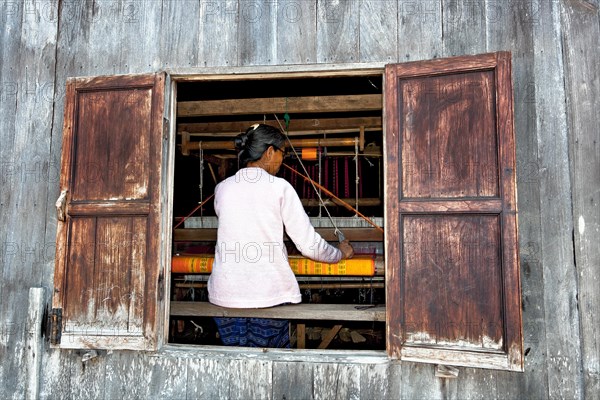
{"x":333,"y":312}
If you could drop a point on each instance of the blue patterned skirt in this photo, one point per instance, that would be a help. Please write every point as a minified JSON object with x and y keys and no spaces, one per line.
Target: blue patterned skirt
{"x":254,"y":332}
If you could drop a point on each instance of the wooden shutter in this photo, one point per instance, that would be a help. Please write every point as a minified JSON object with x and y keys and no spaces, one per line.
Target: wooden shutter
{"x":109,"y":274}
{"x":453,"y":289}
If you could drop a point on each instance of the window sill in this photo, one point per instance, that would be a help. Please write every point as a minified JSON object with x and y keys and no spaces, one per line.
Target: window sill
{"x":172,"y":350}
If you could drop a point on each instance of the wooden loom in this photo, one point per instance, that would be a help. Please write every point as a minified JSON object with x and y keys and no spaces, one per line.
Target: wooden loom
{"x":357,"y":266}
{"x":365,"y":267}
{"x":362,"y":272}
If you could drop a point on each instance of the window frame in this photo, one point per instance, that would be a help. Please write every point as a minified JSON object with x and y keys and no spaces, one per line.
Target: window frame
{"x":242,"y":74}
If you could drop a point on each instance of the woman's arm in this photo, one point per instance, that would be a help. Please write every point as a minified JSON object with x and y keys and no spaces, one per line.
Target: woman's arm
{"x":303,"y":234}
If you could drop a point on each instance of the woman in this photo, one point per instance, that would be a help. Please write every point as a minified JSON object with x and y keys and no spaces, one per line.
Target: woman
{"x":251,"y":268}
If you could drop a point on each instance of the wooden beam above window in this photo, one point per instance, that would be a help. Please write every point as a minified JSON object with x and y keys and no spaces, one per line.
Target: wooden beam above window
{"x":292,"y":105}
{"x":297,"y":126}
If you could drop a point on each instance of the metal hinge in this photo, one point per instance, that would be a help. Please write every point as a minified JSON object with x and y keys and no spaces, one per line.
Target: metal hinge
{"x":160,"y":286}
{"x":165,"y":128}
{"x":55,"y":325}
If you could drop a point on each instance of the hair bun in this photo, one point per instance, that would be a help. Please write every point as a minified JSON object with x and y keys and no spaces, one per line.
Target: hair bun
{"x":253,"y":143}
{"x":240,"y":141}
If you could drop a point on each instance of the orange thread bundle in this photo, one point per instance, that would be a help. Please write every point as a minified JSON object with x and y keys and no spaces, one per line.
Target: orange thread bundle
{"x":200,"y":264}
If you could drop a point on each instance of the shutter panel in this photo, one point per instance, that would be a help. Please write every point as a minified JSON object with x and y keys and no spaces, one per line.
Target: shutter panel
{"x":108,"y":274}
{"x":452,"y":267}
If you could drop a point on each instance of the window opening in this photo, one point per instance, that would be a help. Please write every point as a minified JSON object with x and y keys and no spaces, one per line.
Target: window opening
{"x":335,"y":124}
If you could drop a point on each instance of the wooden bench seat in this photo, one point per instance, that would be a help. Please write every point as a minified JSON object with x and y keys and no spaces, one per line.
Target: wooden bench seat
{"x":333,"y":312}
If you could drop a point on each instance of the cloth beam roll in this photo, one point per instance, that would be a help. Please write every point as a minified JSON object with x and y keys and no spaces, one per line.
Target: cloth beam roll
{"x":357,"y":266}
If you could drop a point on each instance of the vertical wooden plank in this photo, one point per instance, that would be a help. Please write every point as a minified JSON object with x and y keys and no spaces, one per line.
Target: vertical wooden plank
{"x":296,"y":32}
{"x":257,"y":32}
{"x":464,"y":27}
{"x":218,"y":19}
{"x":563,"y":346}
{"x":179,"y":47}
{"x":478,"y":384}
{"x":336,"y":381}
{"x":168,"y":377}
{"x":378,"y":31}
{"x":251,"y":379}
{"x":419,"y":30}
{"x":380,"y":381}
{"x":140,"y":22}
{"x":87,"y":374}
{"x":338,"y":31}
{"x":581,"y":57}
{"x":419,"y":382}
{"x":106,"y":37}
{"x":33,"y":342}
{"x":28,"y":45}
{"x":141,"y":375}
{"x":125,"y":21}
{"x":119,"y":36}
{"x":209,"y":378}
{"x":127,"y":376}
{"x":104,"y":21}
{"x":73,"y":56}
{"x":293,"y":380}
{"x":11,"y":327}
{"x":55,"y":381}
{"x":510,"y":27}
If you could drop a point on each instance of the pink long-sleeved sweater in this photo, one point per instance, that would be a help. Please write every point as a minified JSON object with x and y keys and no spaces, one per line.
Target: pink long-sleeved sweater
{"x":251,"y":268}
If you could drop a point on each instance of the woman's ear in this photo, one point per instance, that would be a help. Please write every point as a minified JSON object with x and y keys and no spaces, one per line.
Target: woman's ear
{"x":270,"y":152}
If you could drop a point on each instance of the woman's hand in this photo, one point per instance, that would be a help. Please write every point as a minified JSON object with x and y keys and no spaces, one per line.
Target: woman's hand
{"x":346,"y":249}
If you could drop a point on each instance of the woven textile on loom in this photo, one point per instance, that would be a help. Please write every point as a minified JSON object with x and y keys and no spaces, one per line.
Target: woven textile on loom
{"x":196,"y":264}
{"x":359,"y":266}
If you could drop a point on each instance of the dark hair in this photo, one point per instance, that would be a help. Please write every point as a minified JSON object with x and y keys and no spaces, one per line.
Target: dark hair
{"x":255,"y":141}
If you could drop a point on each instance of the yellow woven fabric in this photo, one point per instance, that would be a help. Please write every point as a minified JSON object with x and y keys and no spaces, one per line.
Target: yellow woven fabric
{"x":359,"y":266}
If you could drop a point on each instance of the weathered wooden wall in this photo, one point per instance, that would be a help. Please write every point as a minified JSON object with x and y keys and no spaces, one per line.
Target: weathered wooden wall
{"x":556,"y":53}
{"x":581,"y":41}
